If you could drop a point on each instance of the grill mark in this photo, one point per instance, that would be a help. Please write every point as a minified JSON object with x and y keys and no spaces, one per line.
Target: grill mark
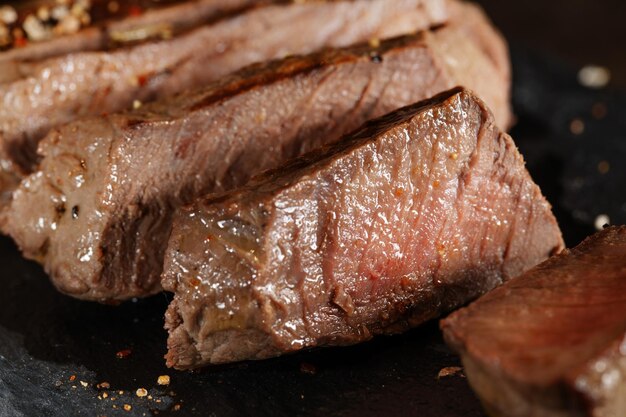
{"x":258,"y":75}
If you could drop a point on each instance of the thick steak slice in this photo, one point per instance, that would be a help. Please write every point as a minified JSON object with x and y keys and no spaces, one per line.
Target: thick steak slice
{"x":413,"y":215}
{"x":97,"y":214}
{"x":55,"y":91}
{"x":552,"y":342}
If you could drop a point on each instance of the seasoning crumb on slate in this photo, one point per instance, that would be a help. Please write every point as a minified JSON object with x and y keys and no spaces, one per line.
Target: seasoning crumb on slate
{"x":123,"y":354}
{"x":84,"y":384}
{"x":176,"y":407}
{"x":594,"y":76}
{"x":127,"y":407}
{"x":103,"y":385}
{"x":163,"y":380}
{"x":450,"y":371}
{"x":601,"y":221}
{"x":603,"y":167}
{"x":577,"y":127}
{"x":141,"y":392}
{"x":72,"y":377}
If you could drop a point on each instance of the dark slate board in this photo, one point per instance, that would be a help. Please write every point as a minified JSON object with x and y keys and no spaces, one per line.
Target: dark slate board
{"x":47,"y":339}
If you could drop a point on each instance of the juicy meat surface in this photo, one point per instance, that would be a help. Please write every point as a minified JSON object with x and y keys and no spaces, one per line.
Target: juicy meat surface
{"x":98,"y":212}
{"x":415,"y":214}
{"x":52,"y":92}
{"x":552,"y":342}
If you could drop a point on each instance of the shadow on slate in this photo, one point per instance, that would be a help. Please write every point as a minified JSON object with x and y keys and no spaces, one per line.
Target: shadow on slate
{"x":54,"y":350}
{"x":581,"y":169}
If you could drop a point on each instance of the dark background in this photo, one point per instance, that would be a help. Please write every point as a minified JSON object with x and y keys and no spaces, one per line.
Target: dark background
{"x":579,"y":32}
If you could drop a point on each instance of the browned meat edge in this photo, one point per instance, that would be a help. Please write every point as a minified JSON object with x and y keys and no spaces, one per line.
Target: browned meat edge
{"x":551,"y":342}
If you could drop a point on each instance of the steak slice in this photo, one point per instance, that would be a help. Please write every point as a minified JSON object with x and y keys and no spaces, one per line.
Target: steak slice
{"x":56,"y":91}
{"x":552,"y":342}
{"x":415,"y":214}
{"x":98,"y":213}
{"x":109,"y":29}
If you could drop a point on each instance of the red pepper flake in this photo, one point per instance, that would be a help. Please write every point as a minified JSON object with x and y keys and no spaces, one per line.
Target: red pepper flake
{"x":123,"y":354}
{"x":73,"y":377}
{"x":135,"y":11}
{"x":142,"y":80}
{"x":20,"y":42}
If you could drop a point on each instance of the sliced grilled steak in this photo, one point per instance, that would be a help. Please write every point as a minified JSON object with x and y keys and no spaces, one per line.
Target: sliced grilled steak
{"x":552,"y":342}
{"x":55,"y":91}
{"x":97,"y":214}
{"x":413,"y":215}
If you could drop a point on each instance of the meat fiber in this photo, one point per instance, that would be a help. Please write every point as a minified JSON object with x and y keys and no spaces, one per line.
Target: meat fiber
{"x":52,"y":92}
{"x":552,"y":342}
{"x":98,"y":212}
{"x":413,"y":215}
